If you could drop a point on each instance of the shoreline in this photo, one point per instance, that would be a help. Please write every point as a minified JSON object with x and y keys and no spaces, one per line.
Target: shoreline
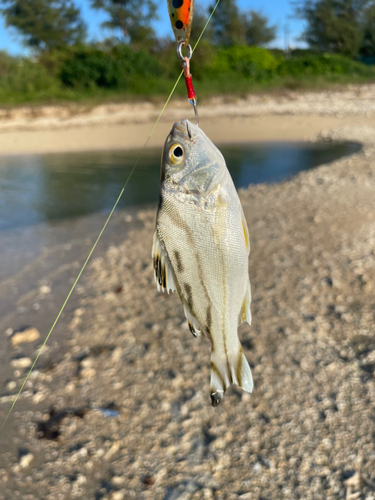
{"x":221,"y":130}
{"x":286,"y":116}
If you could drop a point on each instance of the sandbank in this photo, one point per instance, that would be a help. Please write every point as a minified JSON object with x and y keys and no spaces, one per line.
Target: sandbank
{"x":290,"y":116}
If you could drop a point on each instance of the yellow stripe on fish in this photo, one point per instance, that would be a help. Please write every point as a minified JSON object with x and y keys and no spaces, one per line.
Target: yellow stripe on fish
{"x":245,"y":235}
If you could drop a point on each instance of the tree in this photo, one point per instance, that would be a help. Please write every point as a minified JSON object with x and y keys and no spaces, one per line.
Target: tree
{"x":333,"y":25}
{"x":368,"y":42}
{"x":45,"y":24}
{"x":131,"y":17}
{"x":228,"y":24}
{"x":258,"y":31}
{"x":199,"y":21}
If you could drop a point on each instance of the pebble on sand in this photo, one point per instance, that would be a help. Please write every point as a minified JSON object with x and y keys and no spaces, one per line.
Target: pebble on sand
{"x":26,"y":336}
{"x":26,"y":460}
{"x":21,"y":363}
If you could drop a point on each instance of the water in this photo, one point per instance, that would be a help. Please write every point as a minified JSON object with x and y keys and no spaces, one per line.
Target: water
{"x":49,"y":188}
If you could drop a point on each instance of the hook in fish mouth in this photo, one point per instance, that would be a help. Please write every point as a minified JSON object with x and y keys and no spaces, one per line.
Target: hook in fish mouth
{"x":182,"y":128}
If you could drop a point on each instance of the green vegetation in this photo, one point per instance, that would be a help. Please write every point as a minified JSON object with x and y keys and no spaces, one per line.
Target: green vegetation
{"x":231,"y":58}
{"x":253,"y":63}
{"x":131,"y":18}
{"x":339,"y":26}
{"x":368,"y":41}
{"x":116,"y":68}
{"x":258,"y":32}
{"x":120,"y":72}
{"x":45,"y":24}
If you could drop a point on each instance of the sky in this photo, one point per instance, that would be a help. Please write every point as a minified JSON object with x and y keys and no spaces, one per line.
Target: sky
{"x":279,"y":12}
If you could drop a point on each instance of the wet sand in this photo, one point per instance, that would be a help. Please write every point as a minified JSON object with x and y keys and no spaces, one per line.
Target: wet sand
{"x":132,"y":415}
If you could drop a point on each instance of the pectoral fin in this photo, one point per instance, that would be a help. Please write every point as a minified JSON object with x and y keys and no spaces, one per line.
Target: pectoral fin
{"x":166,"y":281}
{"x":163,"y":272}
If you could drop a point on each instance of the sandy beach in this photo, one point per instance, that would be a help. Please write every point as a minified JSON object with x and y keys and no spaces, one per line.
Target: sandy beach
{"x":124,"y":411}
{"x":287,"y":116}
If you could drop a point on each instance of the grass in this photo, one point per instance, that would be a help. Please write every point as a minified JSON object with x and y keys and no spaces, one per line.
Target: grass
{"x":156,"y":90}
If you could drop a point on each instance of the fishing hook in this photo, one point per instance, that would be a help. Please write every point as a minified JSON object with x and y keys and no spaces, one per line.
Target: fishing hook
{"x":188,"y":77}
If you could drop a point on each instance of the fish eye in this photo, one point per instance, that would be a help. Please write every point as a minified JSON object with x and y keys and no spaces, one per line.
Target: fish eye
{"x":176,"y":153}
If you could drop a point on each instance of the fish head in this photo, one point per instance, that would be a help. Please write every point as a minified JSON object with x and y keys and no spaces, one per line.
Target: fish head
{"x":191,"y":162}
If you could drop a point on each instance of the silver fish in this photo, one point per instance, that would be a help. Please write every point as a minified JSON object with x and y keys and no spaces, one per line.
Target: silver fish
{"x":201,"y":248}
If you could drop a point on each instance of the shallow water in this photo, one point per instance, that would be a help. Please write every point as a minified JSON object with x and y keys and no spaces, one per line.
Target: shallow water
{"x":49,"y":188}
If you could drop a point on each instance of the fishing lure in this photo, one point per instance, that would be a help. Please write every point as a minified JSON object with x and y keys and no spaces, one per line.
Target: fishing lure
{"x":181,"y":16}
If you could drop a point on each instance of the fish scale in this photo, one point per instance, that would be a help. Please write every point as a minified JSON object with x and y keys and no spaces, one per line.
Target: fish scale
{"x":201,"y":248}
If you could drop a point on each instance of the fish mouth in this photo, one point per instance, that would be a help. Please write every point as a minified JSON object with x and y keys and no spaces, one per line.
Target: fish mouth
{"x":182,"y":130}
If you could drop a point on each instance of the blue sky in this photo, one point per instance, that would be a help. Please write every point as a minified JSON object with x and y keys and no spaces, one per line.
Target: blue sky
{"x":279,"y":12}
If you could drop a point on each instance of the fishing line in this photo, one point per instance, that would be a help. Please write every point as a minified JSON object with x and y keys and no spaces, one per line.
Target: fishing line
{"x":103,"y":228}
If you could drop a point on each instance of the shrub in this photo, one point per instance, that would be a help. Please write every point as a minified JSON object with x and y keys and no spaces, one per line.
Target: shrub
{"x":24,"y":76}
{"x":115,"y":68}
{"x":202,"y":58}
{"x":107,"y":70}
{"x":325,"y":64}
{"x":255,"y":63}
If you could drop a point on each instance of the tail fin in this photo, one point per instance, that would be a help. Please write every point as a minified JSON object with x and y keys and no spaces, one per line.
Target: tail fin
{"x":229,"y":369}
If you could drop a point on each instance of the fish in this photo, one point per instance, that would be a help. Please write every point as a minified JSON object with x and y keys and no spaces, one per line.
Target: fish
{"x":181,"y":16}
{"x":200,"y":250}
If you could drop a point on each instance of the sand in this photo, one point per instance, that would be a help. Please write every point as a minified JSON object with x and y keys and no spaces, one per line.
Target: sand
{"x":221,"y":130}
{"x":124,"y":412}
{"x":287,"y":116}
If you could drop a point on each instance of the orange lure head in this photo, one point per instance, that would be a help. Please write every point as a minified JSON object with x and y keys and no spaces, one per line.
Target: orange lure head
{"x":181,"y":16}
